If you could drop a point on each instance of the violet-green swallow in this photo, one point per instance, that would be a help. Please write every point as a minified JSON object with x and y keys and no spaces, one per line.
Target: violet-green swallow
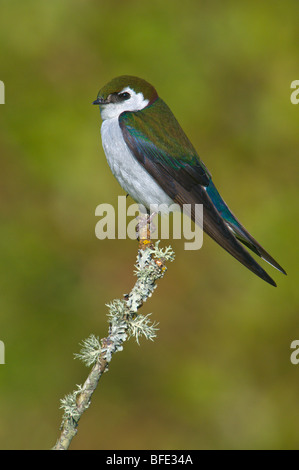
{"x":155,"y":163}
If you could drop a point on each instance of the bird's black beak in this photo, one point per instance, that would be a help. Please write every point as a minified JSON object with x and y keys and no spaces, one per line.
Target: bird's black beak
{"x":100,"y":101}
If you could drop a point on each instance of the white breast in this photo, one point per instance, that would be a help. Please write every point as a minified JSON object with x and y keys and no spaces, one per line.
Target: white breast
{"x":131,"y":175}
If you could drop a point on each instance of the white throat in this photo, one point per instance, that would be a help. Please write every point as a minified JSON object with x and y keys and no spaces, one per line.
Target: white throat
{"x":131,"y":175}
{"x":135,"y":103}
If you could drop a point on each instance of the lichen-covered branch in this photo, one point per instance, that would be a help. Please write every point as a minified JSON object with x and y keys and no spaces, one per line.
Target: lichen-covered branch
{"x":124,"y":322}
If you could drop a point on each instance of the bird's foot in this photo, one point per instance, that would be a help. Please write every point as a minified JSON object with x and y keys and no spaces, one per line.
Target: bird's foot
{"x":144,"y":229}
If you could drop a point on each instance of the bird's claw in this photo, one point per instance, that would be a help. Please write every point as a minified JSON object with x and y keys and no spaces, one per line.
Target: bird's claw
{"x":145,"y":228}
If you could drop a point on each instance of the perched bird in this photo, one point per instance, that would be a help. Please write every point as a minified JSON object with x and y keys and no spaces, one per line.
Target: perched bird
{"x":155,"y":163}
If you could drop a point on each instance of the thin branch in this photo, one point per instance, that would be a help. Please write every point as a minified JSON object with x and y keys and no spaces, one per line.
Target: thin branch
{"x":124,"y":322}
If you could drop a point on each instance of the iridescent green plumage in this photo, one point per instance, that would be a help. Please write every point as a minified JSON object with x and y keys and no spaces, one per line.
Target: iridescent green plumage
{"x":157,"y":135}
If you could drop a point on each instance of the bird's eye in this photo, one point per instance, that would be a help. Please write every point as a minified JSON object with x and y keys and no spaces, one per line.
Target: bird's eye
{"x":124,"y":96}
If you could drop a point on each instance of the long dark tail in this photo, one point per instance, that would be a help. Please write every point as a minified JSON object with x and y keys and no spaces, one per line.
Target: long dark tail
{"x":217,"y":228}
{"x":237,"y":228}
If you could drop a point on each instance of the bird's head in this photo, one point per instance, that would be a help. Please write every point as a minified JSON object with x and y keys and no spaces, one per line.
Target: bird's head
{"x":124,"y":93}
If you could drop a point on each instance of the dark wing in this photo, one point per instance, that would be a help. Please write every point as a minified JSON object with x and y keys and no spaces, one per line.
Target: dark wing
{"x":172,"y":161}
{"x":168,"y":148}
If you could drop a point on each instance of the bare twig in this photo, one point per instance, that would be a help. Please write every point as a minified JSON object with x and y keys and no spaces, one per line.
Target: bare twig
{"x":124,"y":322}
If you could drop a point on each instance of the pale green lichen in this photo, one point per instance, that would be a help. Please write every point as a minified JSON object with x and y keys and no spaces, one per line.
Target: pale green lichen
{"x":142,"y":326}
{"x":90,"y":350}
{"x":165,"y":254}
{"x":69,"y":405}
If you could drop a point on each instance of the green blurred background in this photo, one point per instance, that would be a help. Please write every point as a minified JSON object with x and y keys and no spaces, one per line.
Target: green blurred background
{"x":219,"y":374}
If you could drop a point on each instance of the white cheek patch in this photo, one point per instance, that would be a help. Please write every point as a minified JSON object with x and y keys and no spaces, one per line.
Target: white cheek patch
{"x":135,"y":103}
